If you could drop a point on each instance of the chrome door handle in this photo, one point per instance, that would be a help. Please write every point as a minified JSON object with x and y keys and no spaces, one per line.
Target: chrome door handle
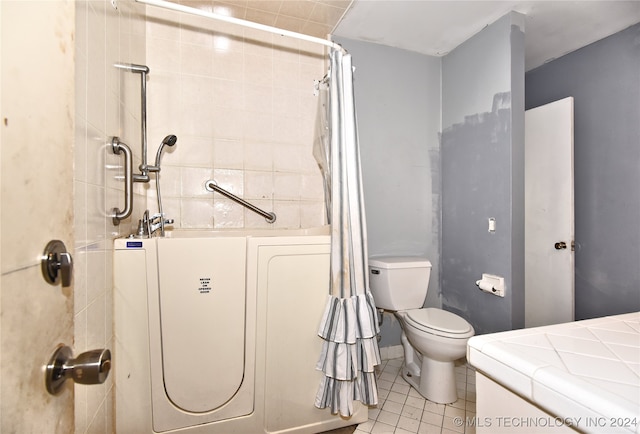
{"x":560,"y":245}
{"x":91,"y":367}
{"x":57,"y":264}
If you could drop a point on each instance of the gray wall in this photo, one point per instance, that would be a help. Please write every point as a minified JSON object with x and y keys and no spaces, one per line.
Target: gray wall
{"x":604,"y":79}
{"x":398,"y":102}
{"x":483,"y":174}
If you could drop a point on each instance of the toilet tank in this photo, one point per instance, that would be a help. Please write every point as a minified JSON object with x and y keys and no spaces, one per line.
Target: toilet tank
{"x":399,"y":282}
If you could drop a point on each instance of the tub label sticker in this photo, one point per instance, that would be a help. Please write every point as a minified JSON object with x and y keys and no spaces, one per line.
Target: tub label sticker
{"x":205,"y":285}
{"x":134,"y":244}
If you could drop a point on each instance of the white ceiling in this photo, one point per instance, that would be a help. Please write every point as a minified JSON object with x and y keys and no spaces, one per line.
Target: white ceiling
{"x":552,"y":28}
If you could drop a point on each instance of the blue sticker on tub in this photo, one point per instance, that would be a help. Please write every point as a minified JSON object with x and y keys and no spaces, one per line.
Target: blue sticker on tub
{"x":134,"y":244}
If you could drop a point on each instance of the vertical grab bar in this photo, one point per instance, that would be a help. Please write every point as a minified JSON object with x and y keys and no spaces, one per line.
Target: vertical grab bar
{"x":143,"y":70}
{"x":117,"y":146}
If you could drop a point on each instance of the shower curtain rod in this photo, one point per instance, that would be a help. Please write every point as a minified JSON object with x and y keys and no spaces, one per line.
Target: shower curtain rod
{"x":193,"y":11}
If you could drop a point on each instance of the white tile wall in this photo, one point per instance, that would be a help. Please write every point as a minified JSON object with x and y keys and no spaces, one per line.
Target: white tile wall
{"x":107,"y":104}
{"x":241,"y":103}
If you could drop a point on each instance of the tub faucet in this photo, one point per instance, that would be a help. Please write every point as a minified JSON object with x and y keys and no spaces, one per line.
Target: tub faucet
{"x":150,"y":224}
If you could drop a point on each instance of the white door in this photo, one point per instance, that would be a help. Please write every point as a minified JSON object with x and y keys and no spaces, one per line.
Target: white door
{"x":549,"y":215}
{"x":36,"y":143}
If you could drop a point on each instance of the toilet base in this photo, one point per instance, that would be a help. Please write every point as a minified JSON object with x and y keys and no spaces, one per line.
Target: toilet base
{"x":434,"y":380}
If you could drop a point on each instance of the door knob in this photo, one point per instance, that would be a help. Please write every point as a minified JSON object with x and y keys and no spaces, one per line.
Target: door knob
{"x":57,"y":264}
{"x":91,"y":367}
{"x":560,"y":245}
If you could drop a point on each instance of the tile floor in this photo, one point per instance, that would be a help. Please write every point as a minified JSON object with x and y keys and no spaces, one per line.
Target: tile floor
{"x":401,"y":410}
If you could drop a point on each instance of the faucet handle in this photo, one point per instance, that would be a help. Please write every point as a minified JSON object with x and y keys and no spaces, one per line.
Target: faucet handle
{"x":142,"y":227}
{"x":167,"y":222}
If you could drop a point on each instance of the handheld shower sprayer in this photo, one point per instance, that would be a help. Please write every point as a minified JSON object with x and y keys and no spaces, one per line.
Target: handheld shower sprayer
{"x":169,"y":140}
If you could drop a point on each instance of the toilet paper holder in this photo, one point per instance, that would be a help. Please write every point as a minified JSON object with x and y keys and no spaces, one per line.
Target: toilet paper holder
{"x":492,"y":284}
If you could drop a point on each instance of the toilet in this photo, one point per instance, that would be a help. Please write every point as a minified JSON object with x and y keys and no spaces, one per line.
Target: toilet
{"x":432,"y":339}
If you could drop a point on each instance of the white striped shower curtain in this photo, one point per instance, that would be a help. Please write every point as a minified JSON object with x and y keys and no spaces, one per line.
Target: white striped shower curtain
{"x":349,"y":325}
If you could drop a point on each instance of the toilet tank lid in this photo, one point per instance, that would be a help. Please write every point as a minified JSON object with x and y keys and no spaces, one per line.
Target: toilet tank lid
{"x":390,"y":262}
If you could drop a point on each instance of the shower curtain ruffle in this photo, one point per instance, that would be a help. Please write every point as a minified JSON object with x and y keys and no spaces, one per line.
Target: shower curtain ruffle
{"x":349,"y":331}
{"x":349,"y":324}
{"x":349,"y":354}
{"x":339,"y":395}
{"x":346,"y":319}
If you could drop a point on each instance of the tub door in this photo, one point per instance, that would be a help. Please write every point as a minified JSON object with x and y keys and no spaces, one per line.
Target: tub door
{"x":202,"y":297}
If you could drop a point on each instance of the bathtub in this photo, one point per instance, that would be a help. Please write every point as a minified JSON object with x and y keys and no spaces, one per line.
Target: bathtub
{"x":216,"y":332}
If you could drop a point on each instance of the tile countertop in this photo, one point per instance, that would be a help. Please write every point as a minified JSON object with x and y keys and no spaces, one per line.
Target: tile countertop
{"x":588,"y":368}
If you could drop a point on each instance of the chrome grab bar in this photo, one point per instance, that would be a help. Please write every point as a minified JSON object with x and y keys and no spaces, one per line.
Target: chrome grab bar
{"x":143,"y":70}
{"x":211,"y":185}
{"x":117,"y":146}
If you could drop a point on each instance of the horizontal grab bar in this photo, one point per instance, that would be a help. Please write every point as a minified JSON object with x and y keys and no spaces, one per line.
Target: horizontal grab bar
{"x":211,"y":185}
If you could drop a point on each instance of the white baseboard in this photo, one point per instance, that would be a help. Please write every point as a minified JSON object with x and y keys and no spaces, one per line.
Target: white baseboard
{"x":393,"y":352}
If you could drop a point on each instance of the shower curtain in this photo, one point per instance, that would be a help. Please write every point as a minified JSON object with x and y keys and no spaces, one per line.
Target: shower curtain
{"x":349,"y":325}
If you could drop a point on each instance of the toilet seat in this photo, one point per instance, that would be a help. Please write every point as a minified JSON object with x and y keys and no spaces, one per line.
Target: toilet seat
{"x":439,"y":322}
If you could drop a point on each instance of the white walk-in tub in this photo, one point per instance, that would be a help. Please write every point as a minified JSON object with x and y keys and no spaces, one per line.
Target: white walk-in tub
{"x":216,"y":332}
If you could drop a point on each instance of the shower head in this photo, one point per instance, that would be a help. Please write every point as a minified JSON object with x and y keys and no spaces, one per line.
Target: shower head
{"x":170,"y":140}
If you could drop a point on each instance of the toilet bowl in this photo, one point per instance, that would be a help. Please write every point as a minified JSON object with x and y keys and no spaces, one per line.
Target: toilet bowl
{"x":432,"y":339}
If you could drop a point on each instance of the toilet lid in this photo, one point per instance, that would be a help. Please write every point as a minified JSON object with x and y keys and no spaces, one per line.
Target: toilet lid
{"x":440,"y":322}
